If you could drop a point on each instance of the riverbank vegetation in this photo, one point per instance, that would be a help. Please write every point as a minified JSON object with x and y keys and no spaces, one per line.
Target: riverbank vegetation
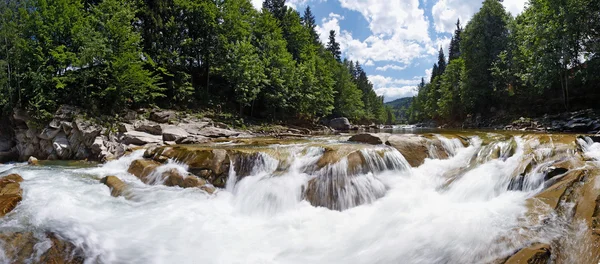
{"x":545,"y":60}
{"x":224,"y":55}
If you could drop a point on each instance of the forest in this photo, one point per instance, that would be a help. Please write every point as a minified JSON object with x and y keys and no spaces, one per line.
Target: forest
{"x":545,"y":60}
{"x":109,"y":55}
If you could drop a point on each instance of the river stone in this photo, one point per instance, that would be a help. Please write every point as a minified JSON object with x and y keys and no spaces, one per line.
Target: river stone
{"x":117,"y":187}
{"x":10,"y":193}
{"x":148,"y":127}
{"x":141,"y":168}
{"x":140,"y":138}
{"x":162,"y":116}
{"x":25,"y":246}
{"x":342,"y":124}
{"x":413,"y":148}
{"x":48,"y":133}
{"x":173,"y":133}
{"x":61,"y":145}
{"x":89,"y":130}
{"x":534,"y":254}
{"x":32,"y":161}
{"x":215,"y":132}
{"x":366,"y":138}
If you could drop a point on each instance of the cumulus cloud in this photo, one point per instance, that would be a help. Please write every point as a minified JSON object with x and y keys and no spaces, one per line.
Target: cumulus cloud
{"x":331,"y":22}
{"x":391,"y":67}
{"x":393,"y":93}
{"x":369,"y":63}
{"x":446,"y":12}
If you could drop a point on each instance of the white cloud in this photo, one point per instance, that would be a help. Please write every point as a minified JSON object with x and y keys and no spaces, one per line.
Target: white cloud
{"x":384,"y":82}
{"x":332,"y":22}
{"x":369,"y":63}
{"x":446,"y":12}
{"x":391,"y":67}
{"x":393,"y":93}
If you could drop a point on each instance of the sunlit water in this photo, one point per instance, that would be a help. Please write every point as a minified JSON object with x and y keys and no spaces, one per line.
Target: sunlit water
{"x":422,"y":218}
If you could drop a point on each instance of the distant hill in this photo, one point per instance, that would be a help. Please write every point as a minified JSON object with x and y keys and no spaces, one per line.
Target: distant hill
{"x":399,"y":103}
{"x":400,"y":107}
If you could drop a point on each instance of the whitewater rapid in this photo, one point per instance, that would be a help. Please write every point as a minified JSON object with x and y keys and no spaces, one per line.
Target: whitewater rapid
{"x":422,"y":218}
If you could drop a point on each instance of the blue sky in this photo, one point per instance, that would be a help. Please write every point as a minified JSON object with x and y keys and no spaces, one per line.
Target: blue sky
{"x":396,"y":41}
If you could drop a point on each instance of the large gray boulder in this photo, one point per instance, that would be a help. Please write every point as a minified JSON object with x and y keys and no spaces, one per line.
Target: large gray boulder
{"x":215,"y":132}
{"x":174,"y":133}
{"x":373,"y":139}
{"x":341,"y":123}
{"x":162,"y":116}
{"x":140,"y":138}
{"x":148,"y":127}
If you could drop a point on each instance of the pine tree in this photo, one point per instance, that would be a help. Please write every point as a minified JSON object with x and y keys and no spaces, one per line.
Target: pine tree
{"x":441,"y":62}
{"x":276,"y":7}
{"x":334,"y":47}
{"x":308,"y":20}
{"x":454,"y":50}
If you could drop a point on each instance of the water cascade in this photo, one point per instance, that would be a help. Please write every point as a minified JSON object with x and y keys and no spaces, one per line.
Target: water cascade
{"x":474,"y":199}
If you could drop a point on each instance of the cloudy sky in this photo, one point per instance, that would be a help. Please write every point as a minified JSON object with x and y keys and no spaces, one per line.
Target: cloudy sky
{"x":396,"y":41}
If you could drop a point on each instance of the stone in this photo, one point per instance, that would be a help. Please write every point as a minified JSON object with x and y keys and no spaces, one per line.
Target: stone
{"x":98,"y":146}
{"x":20,"y":118}
{"x":534,"y":254}
{"x":61,"y":145}
{"x":89,"y":130}
{"x":192,"y":140}
{"x":32,"y":161}
{"x":194,"y":128}
{"x":215,"y":132}
{"x":140,"y":138}
{"x":366,"y":138}
{"x":124,"y":128}
{"x":174,"y":133}
{"x":141,"y":168}
{"x":49,"y":133}
{"x":23,"y":247}
{"x":117,"y":187}
{"x":162,"y":116}
{"x":341,"y":124}
{"x":10,"y":193}
{"x":148,"y":127}
{"x":413,"y":148}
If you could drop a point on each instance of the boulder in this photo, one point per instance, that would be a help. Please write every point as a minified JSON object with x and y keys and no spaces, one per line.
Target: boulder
{"x":148,"y":127}
{"x":161,"y":116}
{"x":413,"y":148}
{"x":141,"y":168}
{"x":342,"y":124}
{"x":117,"y":187}
{"x":23,"y":247}
{"x":367,"y":138}
{"x":20,"y":118}
{"x":89,"y":130}
{"x":10,"y":193}
{"x":61,"y":146}
{"x":192,"y":140}
{"x":173,"y":133}
{"x":32,"y":161}
{"x":49,"y":133}
{"x":140,"y":138}
{"x":215,"y":132}
{"x":534,"y":254}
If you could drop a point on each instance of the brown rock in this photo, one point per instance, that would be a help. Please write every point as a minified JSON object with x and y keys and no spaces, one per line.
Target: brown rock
{"x":10,"y":193}
{"x":366,"y":138}
{"x":20,"y":248}
{"x":141,"y":168}
{"x":534,"y":254}
{"x":117,"y":187}
{"x":32,"y":161}
{"x":413,"y":148}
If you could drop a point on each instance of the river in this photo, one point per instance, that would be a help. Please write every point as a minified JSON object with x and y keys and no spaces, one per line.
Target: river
{"x":459,"y":209}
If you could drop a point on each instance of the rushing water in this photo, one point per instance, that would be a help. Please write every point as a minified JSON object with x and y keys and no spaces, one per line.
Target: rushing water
{"x":415,"y":215}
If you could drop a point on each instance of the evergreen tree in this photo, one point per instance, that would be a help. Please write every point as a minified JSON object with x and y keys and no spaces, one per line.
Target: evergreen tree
{"x":276,"y":7}
{"x":334,"y":47}
{"x":441,"y":62}
{"x":454,"y":49}
{"x":308,"y":20}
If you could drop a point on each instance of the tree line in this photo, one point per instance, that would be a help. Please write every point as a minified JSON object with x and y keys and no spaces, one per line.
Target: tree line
{"x":544,"y":60}
{"x":109,"y":55}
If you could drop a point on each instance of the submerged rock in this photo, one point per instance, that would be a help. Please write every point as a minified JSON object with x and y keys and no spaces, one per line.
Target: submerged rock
{"x":26,"y":247}
{"x":534,"y":254}
{"x":367,"y":138}
{"x":141,"y":168}
{"x":10,"y":193}
{"x":117,"y":187}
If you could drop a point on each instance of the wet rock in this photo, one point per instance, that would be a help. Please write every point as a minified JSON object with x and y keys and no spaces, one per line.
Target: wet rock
{"x":117,"y":187}
{"x":341,"y":124}
{"x":413,"y":148}
{"x":534,"y":254}
{"x":60,"y":144}
{"x":140,"y":138}
{"x":25,"y":247}
{"x":10,"y":193}
{"x":162,"y":116}
{"x":367,"y":138}
{"x":88,"y":130}
{"x":141,"y":168}
{"x":552,"y":172}
{"x":173,"y":133}
{"x":174,"y":178}
{"x":192,"y":140}
{"x":32,"y":161}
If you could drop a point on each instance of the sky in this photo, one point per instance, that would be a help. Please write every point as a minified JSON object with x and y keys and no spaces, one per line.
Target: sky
{"x":395,"y":41}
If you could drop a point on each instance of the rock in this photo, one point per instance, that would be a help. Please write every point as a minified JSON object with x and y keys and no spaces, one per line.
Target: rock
{"x":61,"y":145}
{"x":215,"y":132}
{"x":129,"y":115}
{"x":32,"y":161}
{"x":49,"y":133}
{"x":173,"y":133}
{"x":9,"y":155}
{"x":10,"y":193}
{"x":194,"y":128}
{"x":140,"y":138}
{"x":20,"y":118}
{"x":413,"y":148}
{"x":552,"y":172}
{"x":148,"y":127}
{"x":141,"y":168}
{"x":117,"y":187}
{"x":98,"y":146}
{"x":124,"y":128}
{"x":162,"y":116}
{"x":24,"y":248}
{"x":89,"y":131}
{"x":366,"y":138}
{"x":342,"y":124}
{"x":192,"y":140}
{"x":534,"y":254}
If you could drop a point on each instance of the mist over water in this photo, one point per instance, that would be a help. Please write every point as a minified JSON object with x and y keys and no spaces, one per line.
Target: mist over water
{"x":411,"y":215}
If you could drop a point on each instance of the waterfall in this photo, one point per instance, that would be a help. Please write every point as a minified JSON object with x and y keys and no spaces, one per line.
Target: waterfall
{"x":320,"y":201}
